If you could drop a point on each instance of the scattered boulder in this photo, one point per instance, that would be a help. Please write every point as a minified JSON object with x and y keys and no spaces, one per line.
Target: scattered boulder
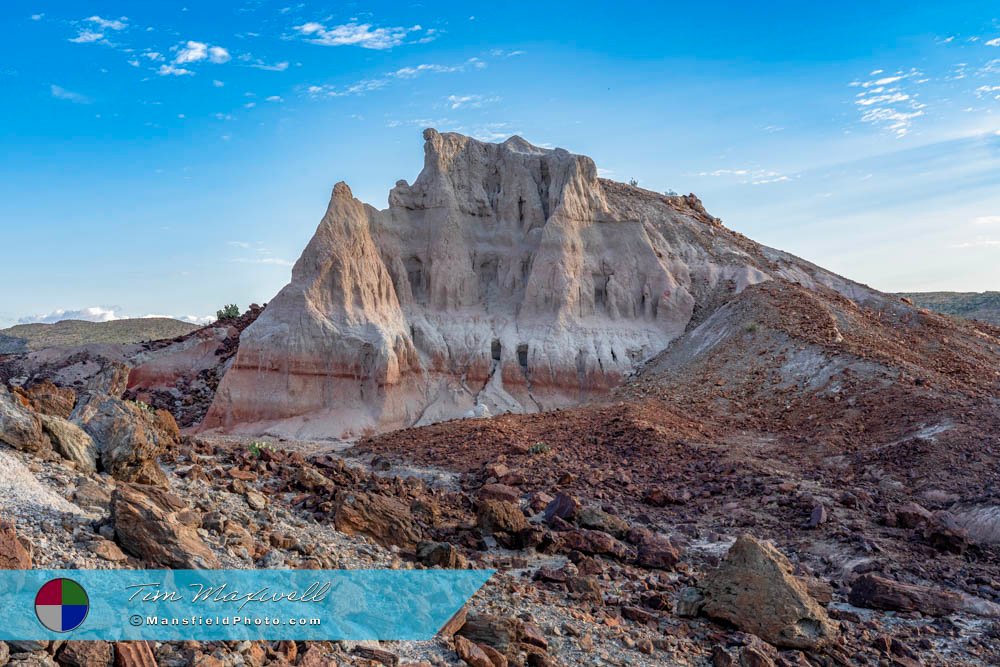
{"x":48,"y":399}
{"x":563,"y":506}
{"x":20,"y":427}
{"x":754,"y":589}
{"x":500,"y":632}
{"x":134,"y":654}
{"x":499,"y":492}
{"x":593,"y":542}
{"x":657,"y":551}
{"x":129,"y":437}
{"x":112,"y":379}
{"x":875,"y":592}
{"x":386,"y":519}
{"x":86,"y":654}
{"x":13,"y":553}
{"x":596,"y":519}
{"x":441,"y":554}
{"x":471,"y":654}
{"x":71,"y":442}
{"x":146,"y":523}
{"x":945,"y":534}
{"x":498,"y":516}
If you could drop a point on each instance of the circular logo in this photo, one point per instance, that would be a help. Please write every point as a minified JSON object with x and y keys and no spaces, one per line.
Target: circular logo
{"x":61,"y":605}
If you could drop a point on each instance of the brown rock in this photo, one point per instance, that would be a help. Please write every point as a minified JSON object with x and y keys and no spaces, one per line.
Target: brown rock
{"x":146,"y":526}
{"x":129,"y":437}
{"x":499,"y":492}
{"x":441,"y":554}
{"x":591,"y":517}
{"x":383,"y":518}
{"x":112,"y":379}
{"x":532,"y":634}
{"x":496,"y":657}
{"x":134,"y":654}
{"x":48,"y":399}
{"x":874,"y":592}
{"x":470,"y":653}
{"x":20,"y":427}
{"x":754,"y":589}
{"x":500,"y":632}
{"x":107,"y":550}
{"x":944,"y":533}
{"x":86,"y":654}
{"x":378,"y":655}
{"x":912,"y":515}
{"x":499,"y":516}
{"x":753,"y":656}
{"x":563,"y":506}
{"x":593,"y":542}
{"x":71,"y":442}
{"x":657,"y":551}
{"x":454,"y":623}
{"x":13,"y":554}
{"x":317,"y":655}
{"x":721,"y":658}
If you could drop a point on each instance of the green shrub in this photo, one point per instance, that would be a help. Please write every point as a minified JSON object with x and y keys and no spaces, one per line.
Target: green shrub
{"x":539,"y":448}
{"x":229,"y":312}
{"x":258,"y":446}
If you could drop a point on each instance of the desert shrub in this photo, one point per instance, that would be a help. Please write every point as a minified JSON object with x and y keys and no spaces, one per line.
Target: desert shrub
{"x":229,"y":312}
{"x":258,"y":446}
{"x":539,"y":448}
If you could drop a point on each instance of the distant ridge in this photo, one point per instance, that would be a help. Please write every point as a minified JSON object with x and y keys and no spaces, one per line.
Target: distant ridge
{"x":983,"y":306}
{"x":70,"y":333}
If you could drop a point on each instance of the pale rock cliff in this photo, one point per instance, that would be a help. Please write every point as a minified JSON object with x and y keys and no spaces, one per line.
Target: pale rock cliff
{"x":507,"y":277}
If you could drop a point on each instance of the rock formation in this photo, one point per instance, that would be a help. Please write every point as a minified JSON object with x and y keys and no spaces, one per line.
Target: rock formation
{"x":507,"y":277}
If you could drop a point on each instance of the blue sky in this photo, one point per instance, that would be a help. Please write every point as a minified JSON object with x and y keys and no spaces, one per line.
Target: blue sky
{"x":167,"y":158}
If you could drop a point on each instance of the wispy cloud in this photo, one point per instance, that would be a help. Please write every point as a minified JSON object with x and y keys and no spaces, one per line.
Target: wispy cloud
{"x":987,"y":220}
{"x":93,"y":29}
{"x":357,"y":34}
{"x":61,"y":93}
{"x":91,"y":314}
{"x":752,"y":175}
{"x":171,"y":70}
{"x":272,"y":261}
{"x":885,"y":101}
{"x":978,"y":243}
{"x":109,"y":24}
{"x":369,"y":85}
{"x":993,"y":42}
{"x":469,"y":101}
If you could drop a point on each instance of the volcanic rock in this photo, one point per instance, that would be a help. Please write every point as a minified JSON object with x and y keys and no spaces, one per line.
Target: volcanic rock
{"x":86,"y":654}
{"x":471,"y":654}
{"x":498,"y":516}
{"x":129,"y":437}
{"x":754,"y":589}
{"x":875,"y":592}
{"x":71,"y":441}
{"x":134,"y":654}
{"x":46,"y":398}
{"x":146,"y":525}
{"x":20,"y":427}
{"x":386,"y":519}
{"x":13,"y":554}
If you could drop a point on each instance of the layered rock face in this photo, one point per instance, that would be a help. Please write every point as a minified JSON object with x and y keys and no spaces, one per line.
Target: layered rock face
{"x":506,"y":278}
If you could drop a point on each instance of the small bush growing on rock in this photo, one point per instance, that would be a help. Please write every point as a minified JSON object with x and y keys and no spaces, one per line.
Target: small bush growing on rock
{"x":539,"y":448}
{"x":229,"y":312}
{"x":145,"y":407}
{"x":257,"y":447}
{"x":751,"y":327}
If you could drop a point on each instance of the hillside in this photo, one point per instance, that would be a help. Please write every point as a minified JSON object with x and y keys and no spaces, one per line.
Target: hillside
{"x":70,"y":333}
{"x":983,"y":306}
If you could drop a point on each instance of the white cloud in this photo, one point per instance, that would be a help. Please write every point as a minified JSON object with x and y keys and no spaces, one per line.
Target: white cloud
{"x":276,"y":67}
{"x":238,"y":244}
{"x":993,"y":42}
{"x":470,"y":101}
{"x":274,"y":98}
{"x":368,"y":85}
{"x":218,"y":84}
{"x":355,"y":34}
{"x":987,"y":220}
{"x":87,"y":37}
{"x":191,"y":52}
{"x":274,"y":261}
{"x":109,"y":24}
{"x":218,"y":55}
{"x":153,"y":55}
{"x":170,"y":70}
{"x":883,"y":102}
{"x":753,"y":176}
{"x":92,"y":314}
{"x":978,"y":243}
{"x":37,"y":17}
{"x":190,"y":319}
{"x":61,"y":93}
